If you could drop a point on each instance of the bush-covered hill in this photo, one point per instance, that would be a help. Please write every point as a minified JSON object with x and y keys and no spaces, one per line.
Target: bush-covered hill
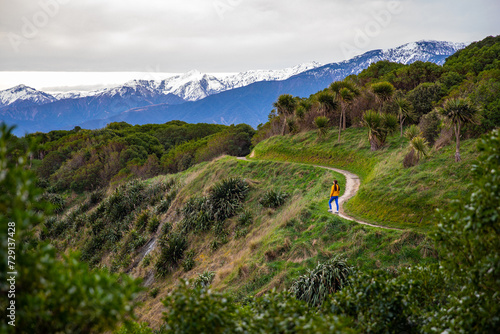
{"x":271,"y":228}
{"x":87,"y":160}
{"x":246,"y":227}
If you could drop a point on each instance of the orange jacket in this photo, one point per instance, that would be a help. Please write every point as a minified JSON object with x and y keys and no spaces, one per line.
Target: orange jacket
{"x":335,"y":190}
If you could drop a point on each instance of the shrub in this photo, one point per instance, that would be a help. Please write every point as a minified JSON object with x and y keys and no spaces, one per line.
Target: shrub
{"x":134,"y":240}
{"x":172,"y":249}
{"x":240,"y":232}
{"x":410,"y":159}
{"x":164,"y":204}
{"x":130,"y":327}
{"x":142,"y":220}
{"x":321,"y":123}
{"x":154,"y":292}
{"x":56,"y":201}
{"x":153,"y":224}
{"x":196,"y":310}
{"x":273,"y":199}
{"x":189,"y":262}
{"x":146,"y":260}
{"x":205,"y":279}
{"x":325,"y":279}
{"x":96,"y":197}
{"x":191,"y":310}
{"x":225,"y":197}
{"x":166,"y":229}
{"x":411,"y":132}
{"x":430,"y":124}
{"x":245,"y":218}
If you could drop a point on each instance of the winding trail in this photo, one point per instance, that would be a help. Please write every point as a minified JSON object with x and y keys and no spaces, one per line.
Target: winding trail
{"x":351,"y":188}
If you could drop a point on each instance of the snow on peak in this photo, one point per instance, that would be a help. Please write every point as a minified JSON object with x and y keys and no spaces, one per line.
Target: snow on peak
{"x":25,"y":94}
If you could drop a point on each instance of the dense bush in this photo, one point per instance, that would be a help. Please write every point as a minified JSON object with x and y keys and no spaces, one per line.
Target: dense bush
{"x":56,"y":293}
{"x":324,"y":280}
{"x":225,"y":197}
{"x":205,"y":279}
{"x":197,"y":310}
{"x":172,"y":248}
{"x":222,"y":202}
{"x":273,"y":199}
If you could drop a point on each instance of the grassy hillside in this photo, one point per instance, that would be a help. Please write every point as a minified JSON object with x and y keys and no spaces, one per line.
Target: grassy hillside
{"x":389,"y":194}
{"x":268,"y":250}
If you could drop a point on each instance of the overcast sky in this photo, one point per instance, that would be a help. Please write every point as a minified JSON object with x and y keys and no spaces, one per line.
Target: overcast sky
{"x":223,"y":35}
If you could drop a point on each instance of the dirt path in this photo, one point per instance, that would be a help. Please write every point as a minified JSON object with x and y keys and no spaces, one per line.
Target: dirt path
{"x":351,"y":188}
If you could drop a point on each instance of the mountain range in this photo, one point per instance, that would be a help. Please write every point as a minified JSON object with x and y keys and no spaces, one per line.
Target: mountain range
{"x":194,"y":97}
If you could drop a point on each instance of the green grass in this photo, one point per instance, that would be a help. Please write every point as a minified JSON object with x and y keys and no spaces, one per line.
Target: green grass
{"x":280,"y":244}
{"x":389,"y":194}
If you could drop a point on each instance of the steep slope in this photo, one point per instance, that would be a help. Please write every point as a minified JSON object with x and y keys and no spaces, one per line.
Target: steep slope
{"x":268,"y":248}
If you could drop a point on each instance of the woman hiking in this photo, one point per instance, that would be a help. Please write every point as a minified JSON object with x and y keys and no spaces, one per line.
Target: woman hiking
{"x":334,"y":195}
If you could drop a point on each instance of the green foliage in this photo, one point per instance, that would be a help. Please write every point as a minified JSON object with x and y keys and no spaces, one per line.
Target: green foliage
{"x":189,"y":261}
{"x":172,"y":248}
{"x":205,"y":279}
{"x":321,"y":123}
{"x":475,"y":58}
{"x":56,"y":200}
{"x":245,"y":218}
{"x":379,"y":126}
{"x":134,"y":328}
{"x":384,"y":90}
{"x":197,"y":310}
{"x":58,"y":293}
{"x":153,"y":224}
{"x":154,"y":292}
{"x":430,"y":124}
{"x":225,"y":197}
{"x":324,"y":280}
{"x":412,"y":131}
{"x":419,"y":145}
{"x":327,"y":101}
{"x":273,"y":199}
{"x":223,"y":201}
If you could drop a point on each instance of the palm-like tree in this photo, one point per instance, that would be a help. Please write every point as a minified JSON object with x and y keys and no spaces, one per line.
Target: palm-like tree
{"x":384,"y":91}
{"x":285,"y":106}
{"x":459,"y":111}
{"x":379,"y":126}
{"x":327,"y":102}
{"x":345,"y":91}
{"x":419,"y":145}
{"x":321,"y":123}
{"x":412,"y":132}
{"x":404,"y":111}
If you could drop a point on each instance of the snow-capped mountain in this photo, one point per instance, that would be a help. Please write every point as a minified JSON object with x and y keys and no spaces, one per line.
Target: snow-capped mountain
{"x":431,"y":51}
{"x":251,"y":104}
{"x":22,"y":94}
{"x":194,"y":85}
{"x":195,"y":96}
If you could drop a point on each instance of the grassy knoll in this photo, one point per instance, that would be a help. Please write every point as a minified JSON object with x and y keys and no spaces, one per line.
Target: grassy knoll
{"x":390,"y":194}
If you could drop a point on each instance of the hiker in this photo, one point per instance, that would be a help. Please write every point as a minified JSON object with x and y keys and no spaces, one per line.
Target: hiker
{"x":334,"y":195}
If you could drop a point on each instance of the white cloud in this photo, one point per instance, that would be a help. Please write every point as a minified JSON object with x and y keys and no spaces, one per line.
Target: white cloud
{"x":220,"y":35}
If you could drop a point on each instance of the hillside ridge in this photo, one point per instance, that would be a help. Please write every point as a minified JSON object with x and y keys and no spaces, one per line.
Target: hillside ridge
{"x":351,"y":188}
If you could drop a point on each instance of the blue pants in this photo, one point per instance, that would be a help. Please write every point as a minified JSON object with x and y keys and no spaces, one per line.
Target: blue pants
{"x":336,"y":198}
